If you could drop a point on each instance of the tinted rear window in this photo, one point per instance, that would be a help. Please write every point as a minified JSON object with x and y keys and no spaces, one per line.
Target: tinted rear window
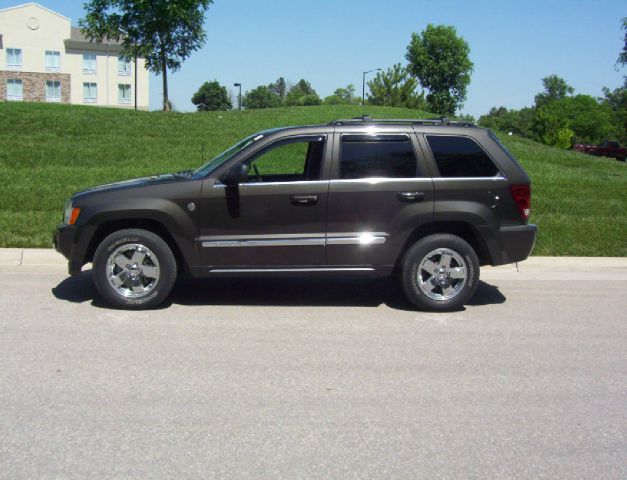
{"x":365,"y":156}
{"x":460,"y":157}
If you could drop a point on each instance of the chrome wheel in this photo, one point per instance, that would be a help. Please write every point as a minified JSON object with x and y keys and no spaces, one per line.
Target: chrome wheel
{"x":442,"y":274}
{"x":133,"y":270}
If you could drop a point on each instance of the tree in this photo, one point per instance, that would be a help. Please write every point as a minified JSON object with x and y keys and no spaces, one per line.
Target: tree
{"x":260,"y":97}
{"x":622,"y":56}
{"x":164,"y":32}
{"x":590,"y":121}
{"x":279,"y":88}
{"x":516,"y":121}
{"x":555,"y":88}
{"x":440,"y":60}
{"x":551,"y":129}
{"x":343,"y":96}
{"x":395,"y":88}
{"x":616,"y":100}
{"x":212,"y":96}
{"x":302,"y":94}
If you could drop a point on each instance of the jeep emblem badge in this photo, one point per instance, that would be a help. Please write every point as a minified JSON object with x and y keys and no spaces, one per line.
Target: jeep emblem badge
{"x":191,"y":206}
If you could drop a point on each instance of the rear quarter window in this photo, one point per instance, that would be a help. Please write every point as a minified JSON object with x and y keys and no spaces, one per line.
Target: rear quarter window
{"x":460,"y":157}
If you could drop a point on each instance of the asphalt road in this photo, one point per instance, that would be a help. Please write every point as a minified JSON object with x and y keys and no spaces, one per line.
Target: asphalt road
{"x":278,"y":378}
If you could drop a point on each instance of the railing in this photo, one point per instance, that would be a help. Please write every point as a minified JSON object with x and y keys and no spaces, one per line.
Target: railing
{"x":365,"y":119}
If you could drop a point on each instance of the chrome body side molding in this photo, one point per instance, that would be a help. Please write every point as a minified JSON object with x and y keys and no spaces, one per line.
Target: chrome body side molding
{"x":291,"y":270}
{"x":286,"y":240}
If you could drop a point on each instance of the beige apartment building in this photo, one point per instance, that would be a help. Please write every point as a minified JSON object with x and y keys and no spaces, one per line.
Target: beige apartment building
{"x":43,"y":58}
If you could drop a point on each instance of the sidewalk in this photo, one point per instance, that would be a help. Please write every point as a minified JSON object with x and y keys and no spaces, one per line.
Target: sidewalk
{"x":594,"y":266}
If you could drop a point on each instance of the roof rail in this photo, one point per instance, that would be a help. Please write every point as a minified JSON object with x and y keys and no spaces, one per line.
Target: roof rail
{"x":414,"y":121}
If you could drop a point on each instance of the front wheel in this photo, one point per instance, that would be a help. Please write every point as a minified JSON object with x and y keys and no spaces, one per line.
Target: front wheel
{"x":134,"y":269}
{"x":440,"y":272}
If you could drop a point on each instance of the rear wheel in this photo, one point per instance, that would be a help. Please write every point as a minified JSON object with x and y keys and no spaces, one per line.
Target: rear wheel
{"x":440,"y":272}
{"x":134,"y":269}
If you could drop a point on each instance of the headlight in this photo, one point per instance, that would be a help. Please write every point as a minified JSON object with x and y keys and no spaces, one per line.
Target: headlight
{"x":70,"y":213}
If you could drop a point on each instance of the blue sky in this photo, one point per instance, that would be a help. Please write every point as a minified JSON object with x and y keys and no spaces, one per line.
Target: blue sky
{"x":331,"y":42}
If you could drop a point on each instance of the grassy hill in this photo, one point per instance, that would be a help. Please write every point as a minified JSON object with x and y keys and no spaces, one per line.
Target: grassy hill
{"x":49,"y":151}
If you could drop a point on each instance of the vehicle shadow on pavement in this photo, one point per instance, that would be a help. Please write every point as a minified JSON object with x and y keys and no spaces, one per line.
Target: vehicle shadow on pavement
{"x":274,"y":291}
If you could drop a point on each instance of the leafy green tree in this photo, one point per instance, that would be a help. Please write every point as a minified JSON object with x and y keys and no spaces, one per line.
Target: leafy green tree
{"x":551,"y":129}
{"x":590,"y":121}
{"x":516,"y":121}
{"x":395,"y":88}
{"x":440,"y":59}
{"x":212,"y":96}
{"x":616,"y":100}
{"x":561,"y":118}
{"x":260,"y":97}
{"x":302,"y":94}
{"x":279,"y":88}
{"x":164,"y":32}
{"x":343,"y":96}
{"x":555,"y":88}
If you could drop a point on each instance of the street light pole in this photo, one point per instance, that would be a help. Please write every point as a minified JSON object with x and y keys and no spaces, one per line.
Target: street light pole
{"x":239,"y":97}
{"x":363,"y":84}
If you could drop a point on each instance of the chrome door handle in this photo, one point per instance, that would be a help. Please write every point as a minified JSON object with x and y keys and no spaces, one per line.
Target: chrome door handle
{"x":304,"y":199}
{"x":411,"y":196}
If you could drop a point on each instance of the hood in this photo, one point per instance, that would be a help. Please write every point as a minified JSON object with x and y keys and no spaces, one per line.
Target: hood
{"x":134,"y":183}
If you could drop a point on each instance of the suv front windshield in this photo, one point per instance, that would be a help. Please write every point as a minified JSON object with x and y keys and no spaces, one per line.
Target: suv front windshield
{"x":215,"y":162}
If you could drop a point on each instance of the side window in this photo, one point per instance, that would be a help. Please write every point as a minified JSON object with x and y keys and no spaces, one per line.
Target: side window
{"x":290,"y":160}
{"x":460,"y":157}
{"x":367,"y":156}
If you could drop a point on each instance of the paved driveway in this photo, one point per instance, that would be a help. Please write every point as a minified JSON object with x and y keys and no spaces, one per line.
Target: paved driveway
{"x":278,"y":378}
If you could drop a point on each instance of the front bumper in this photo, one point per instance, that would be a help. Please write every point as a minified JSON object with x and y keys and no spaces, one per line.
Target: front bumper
{"x":517,"y":242}
{"x":67,"y":241}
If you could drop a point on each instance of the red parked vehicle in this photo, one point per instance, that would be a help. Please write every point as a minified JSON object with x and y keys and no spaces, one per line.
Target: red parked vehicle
{"x":606,"y":149}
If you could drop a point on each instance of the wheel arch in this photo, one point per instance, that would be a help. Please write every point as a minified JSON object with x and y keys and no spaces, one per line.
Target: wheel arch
{"x":155,"y":226}
{"x":462,"y":229}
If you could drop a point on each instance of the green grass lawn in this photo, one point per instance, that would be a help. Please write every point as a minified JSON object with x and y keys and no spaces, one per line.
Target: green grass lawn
{"x":49,"y":151}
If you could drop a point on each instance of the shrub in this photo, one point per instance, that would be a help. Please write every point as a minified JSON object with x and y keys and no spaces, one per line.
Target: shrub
{"x":211,"y":96}
{"x":261,"y":97}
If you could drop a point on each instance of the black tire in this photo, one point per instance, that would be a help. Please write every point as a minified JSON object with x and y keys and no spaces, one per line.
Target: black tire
{"x":444,"y":283}
{"x":157,"y":254}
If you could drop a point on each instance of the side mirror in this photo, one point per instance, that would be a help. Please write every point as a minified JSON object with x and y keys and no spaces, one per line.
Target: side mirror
{"x":237,"y":174}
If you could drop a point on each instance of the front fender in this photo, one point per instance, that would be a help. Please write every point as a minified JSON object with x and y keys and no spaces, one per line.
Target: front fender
{"x":172,"y":215}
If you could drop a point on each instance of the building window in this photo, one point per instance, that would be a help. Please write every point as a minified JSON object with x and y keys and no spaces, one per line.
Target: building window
{"x":90,"y":92}
{"x":53,"y":91}
{"x":124,"y":67}
{"x":14,"y":58}
{"x":53,"y":61}
{"x":14,"y":89}
{"x":124,"y":94}
{"x":89,"y":63}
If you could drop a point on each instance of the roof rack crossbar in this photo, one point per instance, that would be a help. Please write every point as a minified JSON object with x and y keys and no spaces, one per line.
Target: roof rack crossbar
{"x":415,"y":121}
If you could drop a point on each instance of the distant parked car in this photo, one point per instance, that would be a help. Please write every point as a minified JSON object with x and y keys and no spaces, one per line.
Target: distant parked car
{"x":605,"y":149}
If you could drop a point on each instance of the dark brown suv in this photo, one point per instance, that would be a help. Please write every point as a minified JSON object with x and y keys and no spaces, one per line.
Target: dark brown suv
{"x":431,"y":200}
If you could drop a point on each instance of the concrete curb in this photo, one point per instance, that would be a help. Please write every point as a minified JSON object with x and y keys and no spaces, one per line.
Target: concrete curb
{"x":47,"y":256}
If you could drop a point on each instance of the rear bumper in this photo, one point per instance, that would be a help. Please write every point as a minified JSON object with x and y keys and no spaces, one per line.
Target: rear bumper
{"x":69,"y":242}
{"x":516,"y":243}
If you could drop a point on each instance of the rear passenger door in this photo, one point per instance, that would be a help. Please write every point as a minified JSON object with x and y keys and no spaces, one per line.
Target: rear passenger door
{"x":379,"y":193}
{"x":469,"y":185}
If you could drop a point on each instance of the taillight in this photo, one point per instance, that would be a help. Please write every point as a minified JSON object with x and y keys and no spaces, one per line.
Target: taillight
{"x":522,"y":196}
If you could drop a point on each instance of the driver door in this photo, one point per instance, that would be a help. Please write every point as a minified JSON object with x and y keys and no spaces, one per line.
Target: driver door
{"x":277,"y":217}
